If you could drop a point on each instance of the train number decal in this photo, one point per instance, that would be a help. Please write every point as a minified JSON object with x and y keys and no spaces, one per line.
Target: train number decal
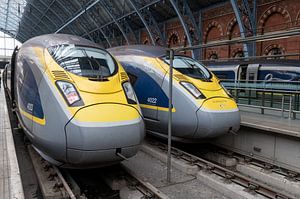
{"x":152,"y":100}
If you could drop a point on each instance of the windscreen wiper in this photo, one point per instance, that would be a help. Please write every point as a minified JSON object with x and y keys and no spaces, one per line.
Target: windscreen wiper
{"x":100,"y":68}
{"x":89,"y":60}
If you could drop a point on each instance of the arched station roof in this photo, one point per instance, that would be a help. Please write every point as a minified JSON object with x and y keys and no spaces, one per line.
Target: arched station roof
{"x":97,"y":20}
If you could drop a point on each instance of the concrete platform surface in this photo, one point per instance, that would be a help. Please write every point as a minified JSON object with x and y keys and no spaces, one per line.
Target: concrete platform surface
{"x":182,"y":185}
{"x":10,"y":180}
{"x":267,"y":122}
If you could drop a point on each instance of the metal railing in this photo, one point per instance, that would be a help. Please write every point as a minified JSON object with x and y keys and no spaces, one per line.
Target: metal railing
{"x":283,"y":96}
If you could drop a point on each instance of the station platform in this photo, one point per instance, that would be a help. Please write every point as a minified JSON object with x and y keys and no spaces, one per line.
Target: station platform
{"x":267,"y":122}
{"x":10,"y":179}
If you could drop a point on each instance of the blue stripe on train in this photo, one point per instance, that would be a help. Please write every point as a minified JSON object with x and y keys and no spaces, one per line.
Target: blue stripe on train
{"x":148,"y":91}
{"x":29,"y":94}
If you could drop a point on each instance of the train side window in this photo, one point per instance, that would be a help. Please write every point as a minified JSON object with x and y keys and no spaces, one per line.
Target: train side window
{"x":243,"y":72}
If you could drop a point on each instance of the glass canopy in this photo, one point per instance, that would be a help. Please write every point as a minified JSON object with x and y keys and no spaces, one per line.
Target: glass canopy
{"x":11,"y":12}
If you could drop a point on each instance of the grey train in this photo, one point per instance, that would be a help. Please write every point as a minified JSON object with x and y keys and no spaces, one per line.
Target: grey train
{"x":260,"y":70}
{"x":74,"y":102}
{"x":202,"y":108}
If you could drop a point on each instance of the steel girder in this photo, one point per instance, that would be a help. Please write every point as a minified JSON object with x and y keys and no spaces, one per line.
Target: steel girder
{"x":84,"y":9}
{"x":70,"y":15}
{"x":45,"y":12}
{"x":153,"y":23}
{"x":149,"y":22}
{"x":185,"y":9}
{"x":46,"y":16}
{"x":132,"y":3}
{"x":109,"y":8}
{"x":79,"y":13}
{"x":92,"y":17}
{"x":101,"y":31}
{"x":200,"y":36}
{"x":103,"y":27}
{"x":48,"y":8}
{"x":250,"y":14}
{"x":244,"y":10}
{"x":7,"y":10}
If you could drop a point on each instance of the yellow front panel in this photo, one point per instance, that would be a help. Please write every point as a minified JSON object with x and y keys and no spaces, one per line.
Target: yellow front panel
{"x":107,"y":113}
{"x":95,"y":92}
{"x":216,"y":96}
{"x":219,"y":104}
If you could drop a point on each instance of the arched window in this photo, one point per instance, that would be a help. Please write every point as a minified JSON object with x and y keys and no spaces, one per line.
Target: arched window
{"x":275,"y":51}
{"x":213,"y":56}
{"x":158,"y":41}
{"x":238,"y":54}
{"x":173,"y":40}
{"x":146,"y":42}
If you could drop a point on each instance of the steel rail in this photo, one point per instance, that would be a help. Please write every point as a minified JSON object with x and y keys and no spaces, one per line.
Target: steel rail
{"x":64,"y":182}
{"x":288,"y":173}
{"x":146,"y":188}
{"x":233,"y":176}
{"x":48,"y":172}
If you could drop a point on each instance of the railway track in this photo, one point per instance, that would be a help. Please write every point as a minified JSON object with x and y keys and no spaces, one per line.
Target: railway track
{"x":55,"y":183}
{"x":51,"y":181}
{"x":229,"y":175}
{"x":289,"y":174}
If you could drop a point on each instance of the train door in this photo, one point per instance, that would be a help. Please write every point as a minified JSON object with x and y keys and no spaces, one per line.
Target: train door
{"x":252,"y":73}
{"x":241,"y":80}
{"x":12,"y":82}
{"x":252,"y":77}
{"x":242,"y":73}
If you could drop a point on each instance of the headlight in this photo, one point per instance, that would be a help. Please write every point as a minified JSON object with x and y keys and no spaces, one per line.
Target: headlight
{"x":228,"y":93}
{"x":129,"y":92}
{"x":69,"y":92}
{"x":193,"y":90}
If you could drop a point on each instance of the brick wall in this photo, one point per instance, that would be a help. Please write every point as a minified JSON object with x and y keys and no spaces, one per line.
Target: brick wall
{"x":219,"y":23}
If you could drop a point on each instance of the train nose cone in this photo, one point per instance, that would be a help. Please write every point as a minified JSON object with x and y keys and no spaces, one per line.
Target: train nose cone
{"x":217,"y":116}
{"x":96,"y":143}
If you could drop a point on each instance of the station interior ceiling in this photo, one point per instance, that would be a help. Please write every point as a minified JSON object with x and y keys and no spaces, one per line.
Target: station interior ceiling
{"x":97,"y":20}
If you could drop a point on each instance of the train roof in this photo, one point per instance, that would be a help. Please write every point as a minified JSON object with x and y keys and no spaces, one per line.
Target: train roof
{"x":141,"y":50}
{"x":49,"y":40}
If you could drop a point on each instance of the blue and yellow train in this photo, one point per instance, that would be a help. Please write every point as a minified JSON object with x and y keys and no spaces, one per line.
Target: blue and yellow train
{"x":74,"y":101}
{"x":202,"y":108}
{"x":274,"y":70}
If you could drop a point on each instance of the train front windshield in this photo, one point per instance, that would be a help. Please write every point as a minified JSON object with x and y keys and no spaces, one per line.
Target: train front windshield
{"x":84,"y":61}
{"x":189,"y":67}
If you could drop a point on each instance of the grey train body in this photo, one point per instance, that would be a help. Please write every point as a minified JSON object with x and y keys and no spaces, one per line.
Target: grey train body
{"x":190,"y":122}
{"x":62,"y":140}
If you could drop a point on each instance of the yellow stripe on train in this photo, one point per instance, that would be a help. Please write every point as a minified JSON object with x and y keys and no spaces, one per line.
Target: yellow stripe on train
{"x":33,"y":118}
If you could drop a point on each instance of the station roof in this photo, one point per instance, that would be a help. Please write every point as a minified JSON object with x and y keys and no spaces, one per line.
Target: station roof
{"x":24,"y":19}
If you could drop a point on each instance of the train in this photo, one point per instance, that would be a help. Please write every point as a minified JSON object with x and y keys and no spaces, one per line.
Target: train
{"x":202,"y":108}
{"x":74,"y":102}
{"x":257,"y":70}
